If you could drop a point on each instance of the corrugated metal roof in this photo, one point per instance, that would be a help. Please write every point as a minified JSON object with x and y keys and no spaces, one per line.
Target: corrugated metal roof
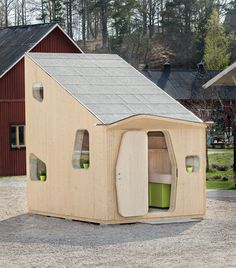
{"x":109,"y":87}
{"x":16,"y":40}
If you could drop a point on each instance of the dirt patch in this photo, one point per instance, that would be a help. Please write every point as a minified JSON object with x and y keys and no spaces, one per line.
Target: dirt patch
{"x":37,"y":241}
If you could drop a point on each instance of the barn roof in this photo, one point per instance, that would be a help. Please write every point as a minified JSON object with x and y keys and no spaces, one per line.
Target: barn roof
{"x":226,"y":77}
{"x":109,"y":87}
{"x":15,"y":41}
{"x":187,"y":84}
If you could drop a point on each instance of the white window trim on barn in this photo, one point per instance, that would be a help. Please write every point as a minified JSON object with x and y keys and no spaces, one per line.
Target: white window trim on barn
{"x":17,"y":144}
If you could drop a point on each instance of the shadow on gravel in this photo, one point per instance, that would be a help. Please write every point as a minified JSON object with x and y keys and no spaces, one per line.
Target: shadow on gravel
{"x":29,"y":228}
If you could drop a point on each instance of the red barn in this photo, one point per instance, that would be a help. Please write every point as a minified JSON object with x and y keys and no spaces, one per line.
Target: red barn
{"x":14,"y":43}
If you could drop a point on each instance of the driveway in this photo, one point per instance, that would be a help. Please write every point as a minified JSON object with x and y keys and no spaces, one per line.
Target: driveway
{"x":38,"y":241}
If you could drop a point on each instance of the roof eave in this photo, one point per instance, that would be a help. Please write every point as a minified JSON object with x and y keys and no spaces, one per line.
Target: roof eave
{"x":145,"y":116}
{"x":215,"y":81}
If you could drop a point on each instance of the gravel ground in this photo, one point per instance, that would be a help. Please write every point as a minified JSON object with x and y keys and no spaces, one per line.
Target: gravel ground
{"x":37,"y":241}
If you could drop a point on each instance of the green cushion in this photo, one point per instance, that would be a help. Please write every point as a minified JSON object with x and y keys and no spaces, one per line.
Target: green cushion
{"x":159,"y":195}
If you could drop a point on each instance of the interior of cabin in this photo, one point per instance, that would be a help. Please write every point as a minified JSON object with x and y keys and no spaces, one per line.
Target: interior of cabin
{"x":160,"y":179}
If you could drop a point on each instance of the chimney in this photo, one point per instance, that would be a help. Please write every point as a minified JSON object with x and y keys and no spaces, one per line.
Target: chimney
{"x":200,"y":67}
{"x":167,"y":67}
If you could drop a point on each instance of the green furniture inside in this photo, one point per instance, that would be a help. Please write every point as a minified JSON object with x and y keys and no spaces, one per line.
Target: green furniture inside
{"x":159,"y":195}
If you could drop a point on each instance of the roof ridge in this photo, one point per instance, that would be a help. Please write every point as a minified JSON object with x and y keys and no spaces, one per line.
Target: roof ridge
{"x":29,"y":25}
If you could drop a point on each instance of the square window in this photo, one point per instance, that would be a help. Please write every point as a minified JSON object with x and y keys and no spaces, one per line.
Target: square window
{"x":192,"y":163}
{"x":17,"y":136}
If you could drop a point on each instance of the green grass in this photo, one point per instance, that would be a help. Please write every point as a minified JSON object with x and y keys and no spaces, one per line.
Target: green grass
{"x":221,"y":156}
{"x":214,"y":176}
{"x":214,"y":173}
{"x":222,"y":185}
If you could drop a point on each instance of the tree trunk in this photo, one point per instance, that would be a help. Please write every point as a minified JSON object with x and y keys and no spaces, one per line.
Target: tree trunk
{"x":162,"y":17}
{"x":53,"y":11}
{"x":234,"y":164}
{"x":22,"y":12}
{"x":151,"y":17}
{"x":144,"y":11}
{"x":83,"y":22}
{"x":207,"y":159}
{"x":187,"y":17}
{"x":70,"y":19}
{"x":6,"y":13}
{"x":42,"y":10}
{"x":103,"y":6}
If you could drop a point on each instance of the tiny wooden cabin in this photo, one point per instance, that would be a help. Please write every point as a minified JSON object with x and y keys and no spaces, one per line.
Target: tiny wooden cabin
{"x":108,"y":145}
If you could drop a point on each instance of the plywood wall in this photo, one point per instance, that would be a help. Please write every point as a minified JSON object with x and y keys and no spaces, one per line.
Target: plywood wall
{"x":158,"y":155}
{"x":186,"y":139}
{"x":51,"y":126}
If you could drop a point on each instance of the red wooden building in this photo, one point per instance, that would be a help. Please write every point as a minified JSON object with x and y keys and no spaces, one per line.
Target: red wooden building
{"x":14,"y":43}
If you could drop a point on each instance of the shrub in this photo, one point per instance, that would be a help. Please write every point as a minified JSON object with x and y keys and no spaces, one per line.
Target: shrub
{"x":219,"y":167}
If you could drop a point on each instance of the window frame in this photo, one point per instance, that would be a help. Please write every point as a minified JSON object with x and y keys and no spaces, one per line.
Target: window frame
{"x":17,"y":145}
{"x":38,"y":91}
{"x":81,"y":151}
{"x":34,"y":164}
{"x":196,"y":163}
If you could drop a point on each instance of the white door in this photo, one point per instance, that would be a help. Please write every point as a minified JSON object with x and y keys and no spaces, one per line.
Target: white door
{"x":132,"y":174}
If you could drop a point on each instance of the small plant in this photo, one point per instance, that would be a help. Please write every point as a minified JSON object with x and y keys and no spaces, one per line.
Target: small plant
{"x":42,"y":175}
{"x":189,"y":169}
{"x":85,"y":164}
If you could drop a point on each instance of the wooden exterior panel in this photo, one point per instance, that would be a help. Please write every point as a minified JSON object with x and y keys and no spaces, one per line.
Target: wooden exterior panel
{"x":12,"y":111}
{"x":12,"y":161}
{"x":188,"y":193}
{"x":56,"y":42}
{"x":67,"y":192}
{"x":12,"y":83}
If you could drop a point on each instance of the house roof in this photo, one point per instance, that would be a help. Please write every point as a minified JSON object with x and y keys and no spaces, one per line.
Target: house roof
{"x":15,"y":41}
{"x":187,"y":85}
{"x":226,"y":77}
{"x":109,"y":87}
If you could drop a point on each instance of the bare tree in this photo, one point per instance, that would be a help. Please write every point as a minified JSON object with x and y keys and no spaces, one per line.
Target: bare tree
{"x":6,"y":7}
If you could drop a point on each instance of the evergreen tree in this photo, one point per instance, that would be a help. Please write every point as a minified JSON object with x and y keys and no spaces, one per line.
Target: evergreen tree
{"x":52,"y":11}
{"x":205,"y":8}
{"x":216,"y":53}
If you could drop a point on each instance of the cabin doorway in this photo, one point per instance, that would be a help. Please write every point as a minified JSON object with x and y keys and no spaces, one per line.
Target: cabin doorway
{"x":160,"y":175}
{"x":145,"y":172}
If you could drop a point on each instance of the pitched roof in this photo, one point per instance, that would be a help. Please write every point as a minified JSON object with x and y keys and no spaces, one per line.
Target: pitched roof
{"x":16,"y":40}
{"x":109,"y":87}
{"x":226,"y":77}
{"x":185,"y":84}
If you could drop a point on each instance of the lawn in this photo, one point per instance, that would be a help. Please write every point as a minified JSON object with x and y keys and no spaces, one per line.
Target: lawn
{"x":216,"y":178}
{"x":222,"y":185}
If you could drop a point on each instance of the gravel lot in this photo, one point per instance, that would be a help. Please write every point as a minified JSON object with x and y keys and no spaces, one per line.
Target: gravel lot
{"x":37,"y":241}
